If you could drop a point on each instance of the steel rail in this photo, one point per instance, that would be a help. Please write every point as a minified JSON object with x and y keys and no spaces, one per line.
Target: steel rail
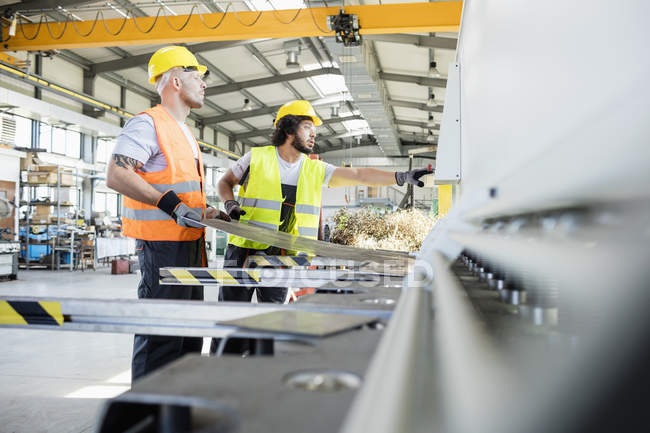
{"x":274,"y":277}
{"x":170,"y":317}
{"x":397,"y":394}
{"x":470,"y":367}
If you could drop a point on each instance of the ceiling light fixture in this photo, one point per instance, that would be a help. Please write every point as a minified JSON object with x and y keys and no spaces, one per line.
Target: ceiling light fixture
{"x":431,"y":102}
{"x":12,"y":26}
{"x":247,"y":105}
{"x":433,"y":70}
{"x":292,"y":48}
{"x":431,"y":138}
{"x":431,"y":122}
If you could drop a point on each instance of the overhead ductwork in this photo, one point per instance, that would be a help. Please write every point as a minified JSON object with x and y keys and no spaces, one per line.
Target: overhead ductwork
{"x":358,"y":67}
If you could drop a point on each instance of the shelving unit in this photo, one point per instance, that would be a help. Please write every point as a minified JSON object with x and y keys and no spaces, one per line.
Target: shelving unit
{"x":57,"y":179}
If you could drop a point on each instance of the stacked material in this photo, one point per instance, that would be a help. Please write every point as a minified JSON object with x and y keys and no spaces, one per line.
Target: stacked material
{"x":402,"y":230}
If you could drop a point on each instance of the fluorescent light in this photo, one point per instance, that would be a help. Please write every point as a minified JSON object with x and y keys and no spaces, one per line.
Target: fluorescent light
{"x":12,"y":26}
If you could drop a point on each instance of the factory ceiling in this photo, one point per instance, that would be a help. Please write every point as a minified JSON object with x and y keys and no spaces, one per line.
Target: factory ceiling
{"x":263,"y":53}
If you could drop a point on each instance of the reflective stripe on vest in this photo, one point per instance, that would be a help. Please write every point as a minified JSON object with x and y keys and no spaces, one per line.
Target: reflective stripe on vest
{"x":262,"y":198}
{"x":150,"y":214}
{"x":265,"y":225}
{"x":309,"y":232}
{"x":260,"y":203}
{"x":306,"y":208}
{"x":308,"y":198}
{"x":143,"y":221}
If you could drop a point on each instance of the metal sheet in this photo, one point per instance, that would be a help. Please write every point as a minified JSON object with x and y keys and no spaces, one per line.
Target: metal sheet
{"x":301,"y":322}
{"x":309,"y":246}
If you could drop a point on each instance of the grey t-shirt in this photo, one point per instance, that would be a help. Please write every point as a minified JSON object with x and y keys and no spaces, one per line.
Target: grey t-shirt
{"x":138,"y":140}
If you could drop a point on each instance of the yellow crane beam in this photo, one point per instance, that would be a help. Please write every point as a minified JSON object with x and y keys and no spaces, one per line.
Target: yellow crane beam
{"x":289,"y":23}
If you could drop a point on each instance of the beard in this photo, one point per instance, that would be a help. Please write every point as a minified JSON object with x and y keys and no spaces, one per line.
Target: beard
{"x":300,"y":145}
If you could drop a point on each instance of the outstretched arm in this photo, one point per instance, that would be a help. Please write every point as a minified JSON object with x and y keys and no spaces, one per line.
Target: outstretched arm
{"x":348,"y":176}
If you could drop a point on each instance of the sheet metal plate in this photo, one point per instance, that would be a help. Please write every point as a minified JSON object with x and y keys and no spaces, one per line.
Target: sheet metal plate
{"x":301,"y":322}
{"x":309,"y":246}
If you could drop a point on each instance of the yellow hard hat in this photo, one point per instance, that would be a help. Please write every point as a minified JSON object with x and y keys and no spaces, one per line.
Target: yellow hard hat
{"x":298,"y":108}
{"x":170,"y":57}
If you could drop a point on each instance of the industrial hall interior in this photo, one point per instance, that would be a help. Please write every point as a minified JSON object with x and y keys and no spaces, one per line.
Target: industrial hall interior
{"x":386,"y":216}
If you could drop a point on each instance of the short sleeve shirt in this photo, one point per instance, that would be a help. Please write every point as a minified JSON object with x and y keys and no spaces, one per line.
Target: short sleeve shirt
{"x":138,"y":140}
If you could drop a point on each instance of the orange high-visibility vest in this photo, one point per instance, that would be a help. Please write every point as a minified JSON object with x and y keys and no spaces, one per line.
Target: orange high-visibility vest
{"x":143,"y":221}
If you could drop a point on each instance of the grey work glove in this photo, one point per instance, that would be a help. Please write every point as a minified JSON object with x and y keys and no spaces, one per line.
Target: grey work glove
{"x":413,"y":176}
{"x":172,"y":205}
{"x":213,"y":213}
{"x":233,"y":209}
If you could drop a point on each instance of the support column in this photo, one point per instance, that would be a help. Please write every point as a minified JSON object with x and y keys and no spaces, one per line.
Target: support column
{"x":38,"y":70}
{"x":122,"y":103}
{"x":201,"y":127}
{"x":88,"y":150}
{"x":444,"y":199}
{"x":36,"y":133}
{"x":89,"y":89}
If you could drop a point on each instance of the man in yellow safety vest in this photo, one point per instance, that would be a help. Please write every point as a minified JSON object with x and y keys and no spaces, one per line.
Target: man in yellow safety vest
{"x":280,"y":189}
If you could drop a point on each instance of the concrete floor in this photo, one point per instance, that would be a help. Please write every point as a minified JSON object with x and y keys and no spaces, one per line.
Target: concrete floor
{"x":57,"y":381}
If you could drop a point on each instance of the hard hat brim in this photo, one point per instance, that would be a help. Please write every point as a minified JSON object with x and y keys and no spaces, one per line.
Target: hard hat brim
{"x":317,"y":121}
{"x":201,"y":68}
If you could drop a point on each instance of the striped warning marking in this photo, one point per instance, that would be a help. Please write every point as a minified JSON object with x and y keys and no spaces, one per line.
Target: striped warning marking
{"x":280,"y":260}
{"x":30,"y":313}
{"x":201,"y":276}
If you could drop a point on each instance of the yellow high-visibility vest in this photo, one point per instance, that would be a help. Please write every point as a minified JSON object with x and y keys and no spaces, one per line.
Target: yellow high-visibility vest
{"x":262,"y":197}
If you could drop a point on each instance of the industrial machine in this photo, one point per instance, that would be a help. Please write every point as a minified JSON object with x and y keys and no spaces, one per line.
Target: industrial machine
{"x":524,"y":311}
{"x":8,"y":249}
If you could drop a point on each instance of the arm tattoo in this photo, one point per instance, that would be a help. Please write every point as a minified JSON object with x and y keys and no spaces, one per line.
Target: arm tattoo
{"x":125,"y":162}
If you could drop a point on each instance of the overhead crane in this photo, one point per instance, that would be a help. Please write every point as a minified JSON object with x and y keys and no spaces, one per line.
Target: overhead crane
{"x":373,"y":20}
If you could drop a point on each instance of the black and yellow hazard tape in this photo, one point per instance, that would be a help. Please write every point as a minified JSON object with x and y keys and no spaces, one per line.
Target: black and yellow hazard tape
{"x":30,"y":313}
{"x":209,"y":276}
{"x":279,"y":260}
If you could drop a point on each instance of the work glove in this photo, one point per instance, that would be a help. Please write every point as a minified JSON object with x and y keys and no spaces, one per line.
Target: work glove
{"x":175,"y":208}
{"x":413,"y":176}
{"x":213,"y":213}
{"x":233,"y":209}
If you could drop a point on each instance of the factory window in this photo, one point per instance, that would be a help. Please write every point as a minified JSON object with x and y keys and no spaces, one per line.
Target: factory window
{"x":72,"y":144}
{"x":23,"y":132}
{"x":104,"y":150}
{"x":107,"y":202}
{"x":58,"y":140}
{"x":99,"y":203}
{"x":45,"y":137}
{"x":209,"y":176}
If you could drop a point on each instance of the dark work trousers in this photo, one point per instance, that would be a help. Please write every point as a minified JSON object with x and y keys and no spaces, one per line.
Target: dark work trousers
{"x":153,"y":351}
{"x":234,"y":258}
